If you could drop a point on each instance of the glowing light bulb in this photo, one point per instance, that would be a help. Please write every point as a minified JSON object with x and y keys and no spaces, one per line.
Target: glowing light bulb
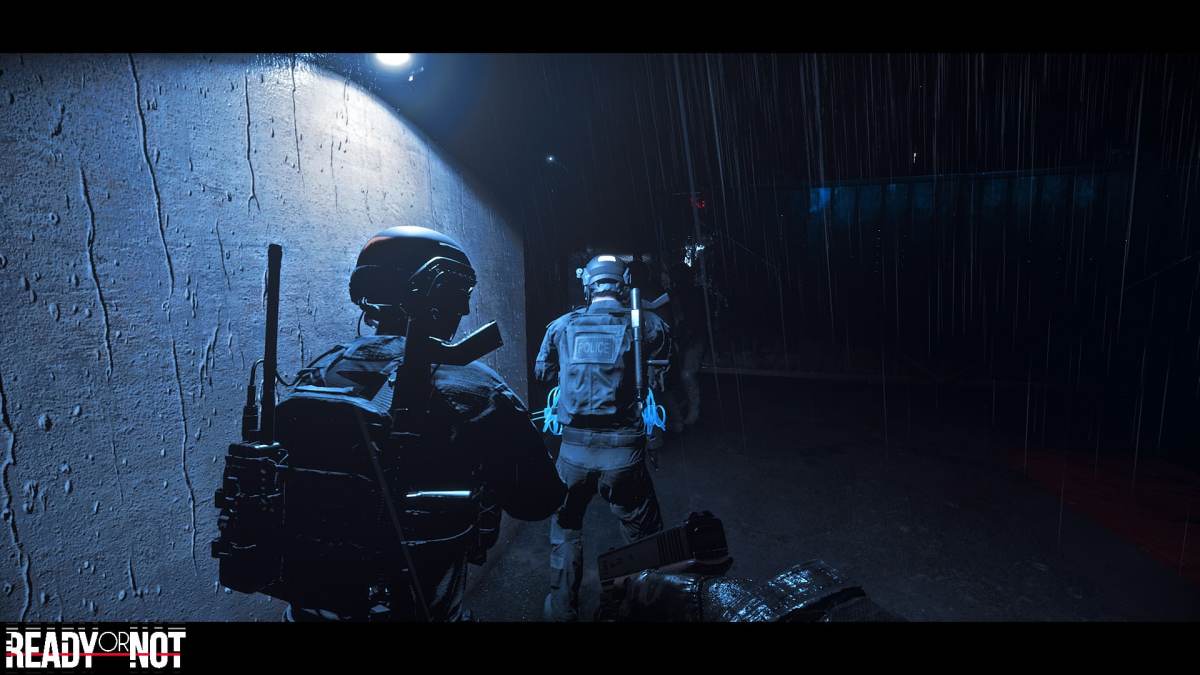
{"x":393,"y":60}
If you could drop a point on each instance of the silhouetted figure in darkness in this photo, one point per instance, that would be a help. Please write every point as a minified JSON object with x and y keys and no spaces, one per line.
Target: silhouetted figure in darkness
{"x":689,"y":330}
{"x":477,"y":436}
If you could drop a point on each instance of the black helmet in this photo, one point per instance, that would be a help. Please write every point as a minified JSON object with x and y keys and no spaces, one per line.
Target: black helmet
{"x":415,"y":272}
{"x":600,"y":272}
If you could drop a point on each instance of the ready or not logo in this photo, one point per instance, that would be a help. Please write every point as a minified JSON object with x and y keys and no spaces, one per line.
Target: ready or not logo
{"x":61,"y":647}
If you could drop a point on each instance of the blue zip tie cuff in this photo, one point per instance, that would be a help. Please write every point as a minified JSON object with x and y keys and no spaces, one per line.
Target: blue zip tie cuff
{"x":653,"y":415}
{"x":550,"y":423}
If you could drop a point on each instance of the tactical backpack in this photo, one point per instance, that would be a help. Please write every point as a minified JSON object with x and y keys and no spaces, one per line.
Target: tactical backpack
{"x":324,"y":502}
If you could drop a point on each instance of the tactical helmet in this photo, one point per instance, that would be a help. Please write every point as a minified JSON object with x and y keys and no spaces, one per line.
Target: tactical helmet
{"x":412,"y":271}
{"x":603,"y":269}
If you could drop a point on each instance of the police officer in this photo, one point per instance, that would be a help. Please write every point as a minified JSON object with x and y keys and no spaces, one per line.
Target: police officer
{"x":588,"y":352}
{"x":479,"y":432}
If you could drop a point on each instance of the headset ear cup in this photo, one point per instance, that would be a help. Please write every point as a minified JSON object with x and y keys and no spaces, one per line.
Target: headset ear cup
{"x":377,"y":284}
{"x":360,"y":283}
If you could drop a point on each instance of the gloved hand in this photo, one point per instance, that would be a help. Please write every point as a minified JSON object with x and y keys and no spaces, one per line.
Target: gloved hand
{"x":656,"y":597}
{"x":689,"y":598}
{"x":811,"y":591}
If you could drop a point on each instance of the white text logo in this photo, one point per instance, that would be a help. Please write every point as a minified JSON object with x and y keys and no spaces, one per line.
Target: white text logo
{"x":61,"y":648}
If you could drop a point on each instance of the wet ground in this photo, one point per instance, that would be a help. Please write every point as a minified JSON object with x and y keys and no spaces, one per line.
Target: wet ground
{"x":936,"y":523}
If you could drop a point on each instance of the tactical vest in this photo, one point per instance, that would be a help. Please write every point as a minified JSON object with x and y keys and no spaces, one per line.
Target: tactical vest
{"x":305,"y":519}
{"x":596,"y":387}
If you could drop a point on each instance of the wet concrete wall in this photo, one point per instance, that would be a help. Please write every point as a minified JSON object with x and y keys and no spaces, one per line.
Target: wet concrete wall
{"x":137,"y":198}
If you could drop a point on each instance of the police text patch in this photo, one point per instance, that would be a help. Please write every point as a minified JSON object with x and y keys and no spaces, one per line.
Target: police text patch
{"x":595,"y":348}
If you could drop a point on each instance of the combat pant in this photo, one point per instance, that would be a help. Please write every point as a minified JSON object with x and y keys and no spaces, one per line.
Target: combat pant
{"x":629,"y":493}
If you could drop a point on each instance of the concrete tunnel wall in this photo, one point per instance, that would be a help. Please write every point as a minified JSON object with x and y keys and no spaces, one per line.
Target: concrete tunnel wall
{"x":137,"y":198}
